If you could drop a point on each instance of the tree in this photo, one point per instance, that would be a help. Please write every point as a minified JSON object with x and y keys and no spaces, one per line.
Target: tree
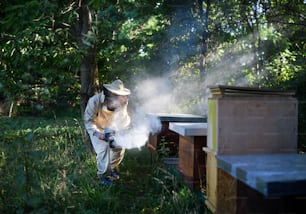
{"x":37,"y":56}
{"x":204,"y":17}
{"x":55,"y":54}
{"x":87,"y":46}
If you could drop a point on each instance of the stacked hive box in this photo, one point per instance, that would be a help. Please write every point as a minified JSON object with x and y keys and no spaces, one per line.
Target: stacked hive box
{"x":166,"y":136}
{"x":191,"y":163}
{"x":245,"y":121}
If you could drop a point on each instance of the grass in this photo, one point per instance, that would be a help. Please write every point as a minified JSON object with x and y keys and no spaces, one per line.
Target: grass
{"x":45,"y":167}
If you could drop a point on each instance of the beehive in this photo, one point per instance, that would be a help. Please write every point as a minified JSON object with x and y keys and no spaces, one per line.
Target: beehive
{"x":221,"y":188}
{"x":192,"y":161}
{"x":245,"y":121}
{"x":249,"y":121}
{"x":168,"y":138}
{"x":191,"y":164}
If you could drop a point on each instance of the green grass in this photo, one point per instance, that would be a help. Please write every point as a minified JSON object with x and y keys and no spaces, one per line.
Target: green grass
{"x":45,"y":167}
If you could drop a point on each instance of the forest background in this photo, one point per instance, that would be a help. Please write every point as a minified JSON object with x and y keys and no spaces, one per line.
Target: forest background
{"x":54,"y":55}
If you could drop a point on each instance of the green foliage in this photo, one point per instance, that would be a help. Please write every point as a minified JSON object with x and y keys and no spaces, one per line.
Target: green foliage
{"x":163,"y":150}
{"x":45,"y":168}
{"x":129,"y":31}
{"x":37,"y":58}
{"x":257,"y":43}
{"x":39,"y":161}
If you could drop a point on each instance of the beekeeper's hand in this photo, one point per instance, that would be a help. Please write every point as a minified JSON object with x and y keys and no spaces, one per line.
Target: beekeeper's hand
{"x":98,"y":135}
{"x":109,"y":135}
{"x":113,"y":144}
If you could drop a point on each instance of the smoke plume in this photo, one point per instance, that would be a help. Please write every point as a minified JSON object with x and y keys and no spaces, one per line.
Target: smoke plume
{"x":137,"y":135}
{"x":178,"y":89}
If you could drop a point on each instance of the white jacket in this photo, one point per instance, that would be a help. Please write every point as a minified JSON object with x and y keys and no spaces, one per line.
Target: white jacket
{"x":97,"y":117}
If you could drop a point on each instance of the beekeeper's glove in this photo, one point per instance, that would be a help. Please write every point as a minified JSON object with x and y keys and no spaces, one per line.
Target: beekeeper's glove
{"x":109,"y":135}
{"x":98,"y":135}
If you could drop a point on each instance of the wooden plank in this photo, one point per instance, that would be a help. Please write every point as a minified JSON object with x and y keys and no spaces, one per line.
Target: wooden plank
{"x":189,"y":129}
{"x":178,"y":117}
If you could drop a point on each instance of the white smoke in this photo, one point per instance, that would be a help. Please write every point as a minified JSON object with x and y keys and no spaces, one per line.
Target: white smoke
{"x":138,"y":134}
{"x":151,"y":96}
{"x":179,"y":94}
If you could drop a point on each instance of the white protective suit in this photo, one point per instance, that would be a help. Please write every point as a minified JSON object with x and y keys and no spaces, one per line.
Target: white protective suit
{"x":96,"y":118}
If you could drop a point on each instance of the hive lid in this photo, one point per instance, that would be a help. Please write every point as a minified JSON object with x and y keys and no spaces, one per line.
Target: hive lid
{"x":178,"y":117}
{"x":226,"y":90}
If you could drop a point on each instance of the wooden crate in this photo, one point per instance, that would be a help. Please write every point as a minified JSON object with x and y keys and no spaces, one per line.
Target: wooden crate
{"x":252,"y":125}
{"x":192,"y":161}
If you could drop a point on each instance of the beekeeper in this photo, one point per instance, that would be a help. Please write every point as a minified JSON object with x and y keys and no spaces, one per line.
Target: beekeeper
{"x":105,"y":114}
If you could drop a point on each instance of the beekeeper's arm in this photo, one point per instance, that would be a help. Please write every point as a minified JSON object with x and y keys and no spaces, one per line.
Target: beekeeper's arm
{"x":91,"y":113}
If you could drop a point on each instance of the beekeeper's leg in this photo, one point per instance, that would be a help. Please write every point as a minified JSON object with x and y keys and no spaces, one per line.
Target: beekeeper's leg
{"x":116,"y":156}
{"x":102,"y":150}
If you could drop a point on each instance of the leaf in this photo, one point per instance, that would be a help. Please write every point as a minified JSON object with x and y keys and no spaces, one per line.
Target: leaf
{"x":29,"y":137}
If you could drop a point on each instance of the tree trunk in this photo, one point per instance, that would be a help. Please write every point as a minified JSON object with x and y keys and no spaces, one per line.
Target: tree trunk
{"x":88,"y":66}
{"x":205,"y":35}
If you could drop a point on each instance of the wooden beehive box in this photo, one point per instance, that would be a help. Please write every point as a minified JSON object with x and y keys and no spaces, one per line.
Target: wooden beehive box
{"x":245,"y":121}
{"x":256,"y":183}
{"x":192,"y":161}
{"x":168,"y":138}
{"x":249,"y":121}
{"x":221,"y":188}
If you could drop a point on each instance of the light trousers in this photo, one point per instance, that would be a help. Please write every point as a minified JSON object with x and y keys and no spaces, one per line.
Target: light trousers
{"x":107,"y":158}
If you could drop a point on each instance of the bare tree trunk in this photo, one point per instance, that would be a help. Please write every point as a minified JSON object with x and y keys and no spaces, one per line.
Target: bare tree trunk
{"x":88,"y":66}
